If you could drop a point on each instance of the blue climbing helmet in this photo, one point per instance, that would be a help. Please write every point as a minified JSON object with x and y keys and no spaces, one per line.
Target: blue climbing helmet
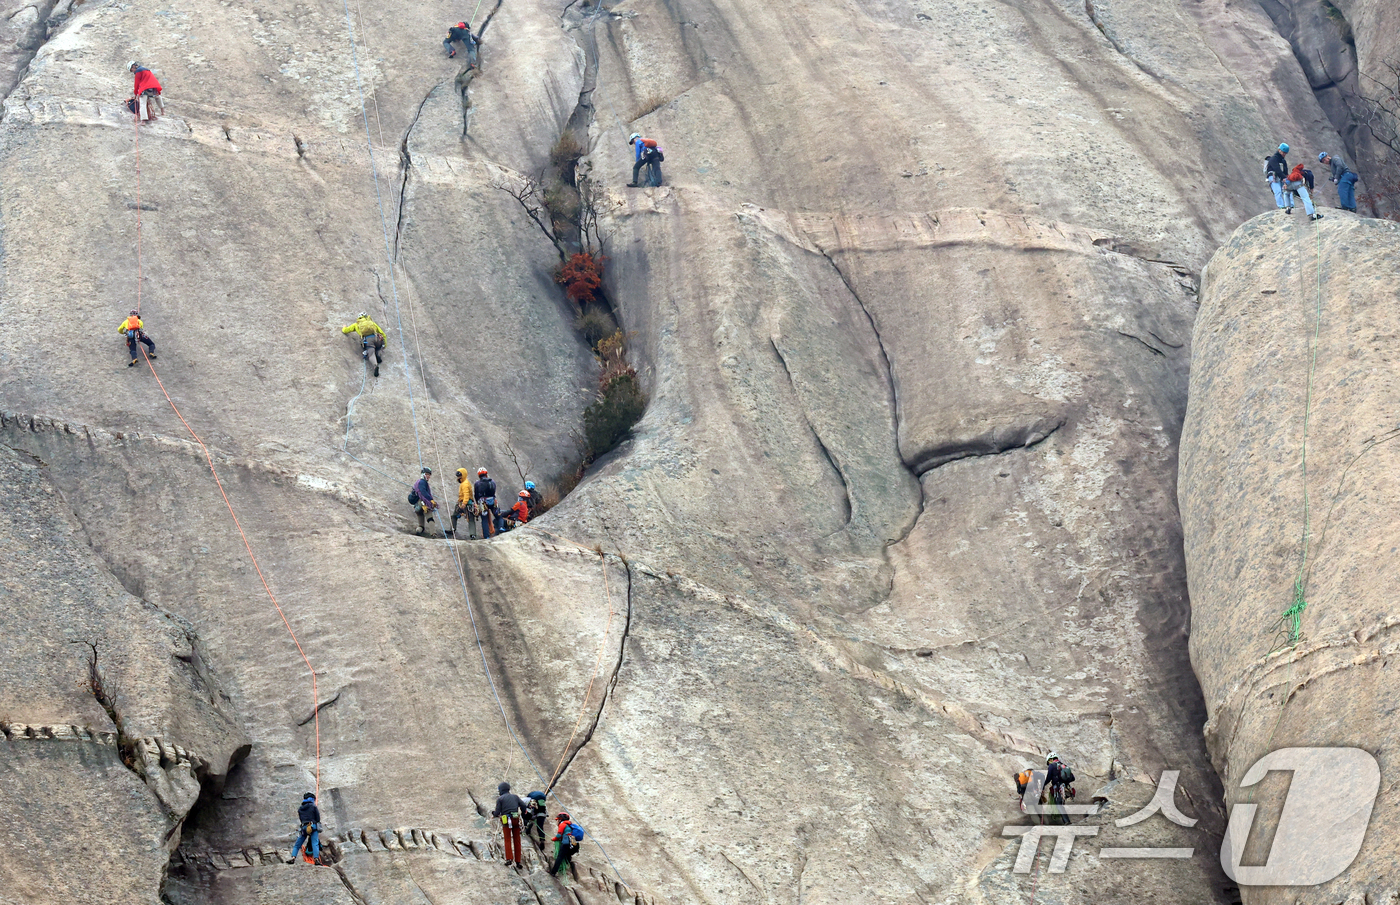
{"x":1283,"y":147}
{"x":529,"y":485}
{"x":1321,"y":157}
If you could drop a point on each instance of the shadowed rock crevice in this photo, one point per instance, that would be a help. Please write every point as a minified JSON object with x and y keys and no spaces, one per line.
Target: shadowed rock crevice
{"x":608,"y":687}
{"x":993,"y":443}
{"x":826,"y":453}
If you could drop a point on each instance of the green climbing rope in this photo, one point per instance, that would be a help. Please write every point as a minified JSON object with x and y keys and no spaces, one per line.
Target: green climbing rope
{"x":1291,"y":622}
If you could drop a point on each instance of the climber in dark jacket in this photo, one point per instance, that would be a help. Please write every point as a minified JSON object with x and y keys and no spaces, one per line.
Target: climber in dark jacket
{"x":1276,"y":172}
{"x":485,"y":492}
{"x":462,"y":33}
{"x":535,"y":499}
{"x":426,"y":504}
{"x":309,"y":832}
{"x":509,"y":808}
{"x":536,"y":813}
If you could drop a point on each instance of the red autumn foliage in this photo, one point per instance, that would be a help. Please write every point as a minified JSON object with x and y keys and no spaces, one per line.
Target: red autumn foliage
{"x":581,"y":277}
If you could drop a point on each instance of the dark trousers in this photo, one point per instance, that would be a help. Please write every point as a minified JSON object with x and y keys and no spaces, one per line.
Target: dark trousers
{"x":563,"y":854}
{"x":534,"y":826}
{"x":488,"y":522}
{"x":510,"y":829}
{"x":653,"y":169}
{"x":131,"y":342}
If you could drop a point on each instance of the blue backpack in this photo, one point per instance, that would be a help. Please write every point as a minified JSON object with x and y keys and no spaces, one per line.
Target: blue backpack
{"x":576,"y":831}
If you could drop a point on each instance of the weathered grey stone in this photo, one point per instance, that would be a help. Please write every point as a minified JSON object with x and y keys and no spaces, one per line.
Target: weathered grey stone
{"x":1268,"y":377}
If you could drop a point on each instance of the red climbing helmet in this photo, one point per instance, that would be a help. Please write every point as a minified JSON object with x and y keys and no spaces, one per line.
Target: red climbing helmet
{"x":481,"y":472}
{"x":524,"y":494}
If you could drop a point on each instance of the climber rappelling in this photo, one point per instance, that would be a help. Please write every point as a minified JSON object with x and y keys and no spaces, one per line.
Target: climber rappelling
{"x":309,"y":830}
{"x":509,"y":808}
{"x":136,"y":333}
{"x":371,"y":339}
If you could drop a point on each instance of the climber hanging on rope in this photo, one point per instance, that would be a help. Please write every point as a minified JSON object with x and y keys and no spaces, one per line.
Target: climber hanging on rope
{"x":421,"y":498}
{"x":509,"y":808}
{"x":461,"y":33}
{"x":309,"y":831}
{"x":485,"y":492}
{"x":536,"y":813}
{"x":647,"y":154}
{"x":146,"y":90}
{"x":465,"y":504}
{"x":371,"y":338}
{"x":1343,"y":178}
{"x":566,"y":841}
{"x":136,"y":333}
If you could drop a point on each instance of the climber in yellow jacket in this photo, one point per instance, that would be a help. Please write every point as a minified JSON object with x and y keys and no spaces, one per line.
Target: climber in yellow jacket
{"x":135,"y":332}
{"x":371,"y":337}
{"x":465,"y":504}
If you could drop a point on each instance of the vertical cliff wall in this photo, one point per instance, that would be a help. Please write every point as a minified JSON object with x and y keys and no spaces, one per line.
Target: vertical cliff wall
{"x":1286,"y":458}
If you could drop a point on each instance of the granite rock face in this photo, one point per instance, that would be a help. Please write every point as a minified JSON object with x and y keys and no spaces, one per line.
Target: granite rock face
{"x":913,"y":311}
{"x":1286,"y":458}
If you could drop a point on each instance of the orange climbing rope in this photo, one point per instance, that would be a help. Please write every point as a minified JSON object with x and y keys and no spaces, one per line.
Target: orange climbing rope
{"x":315,"y":694}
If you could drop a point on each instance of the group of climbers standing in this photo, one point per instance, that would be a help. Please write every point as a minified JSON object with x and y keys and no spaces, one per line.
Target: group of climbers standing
{"x":475,"y":500}
{"x":1288,"y":185}
{"x":530,"y":815}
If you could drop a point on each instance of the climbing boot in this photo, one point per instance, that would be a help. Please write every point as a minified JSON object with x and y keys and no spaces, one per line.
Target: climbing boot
{"x":1315,"y":217}
{"x":376,"y":370}
{"x":153,"y":356}
{"x":133,"y":363}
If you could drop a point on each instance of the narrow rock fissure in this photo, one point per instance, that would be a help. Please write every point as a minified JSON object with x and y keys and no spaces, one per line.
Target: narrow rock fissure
{"x":319,"y":707}
{"x":1028,"y":438}
{"x":608,"y":687}
{"x":406,"y":164}
{"x":830,"y":459}
{"x":1138,"y":339}
{"x":350,"y":887}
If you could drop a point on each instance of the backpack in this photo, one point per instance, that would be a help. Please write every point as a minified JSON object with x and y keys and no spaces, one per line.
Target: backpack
{"x":655,"y":155}
{"x":1308,"y":179}
{"x":413,"y":497}
{"x":576,"y":832}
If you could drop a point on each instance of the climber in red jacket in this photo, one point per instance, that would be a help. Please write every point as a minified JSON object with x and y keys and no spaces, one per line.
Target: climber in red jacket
{"x":147,"y":88}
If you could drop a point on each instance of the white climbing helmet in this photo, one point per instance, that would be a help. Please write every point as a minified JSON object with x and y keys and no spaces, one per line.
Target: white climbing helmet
{"x":1051,"y":756}
{"x":130,"y":65}
{"x":630,"y":139}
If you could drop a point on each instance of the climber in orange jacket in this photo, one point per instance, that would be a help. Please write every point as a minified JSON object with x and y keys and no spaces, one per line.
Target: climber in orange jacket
{"x":522,"y":507}
{"x":146,"y":88}
{"x":136,"y":333}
